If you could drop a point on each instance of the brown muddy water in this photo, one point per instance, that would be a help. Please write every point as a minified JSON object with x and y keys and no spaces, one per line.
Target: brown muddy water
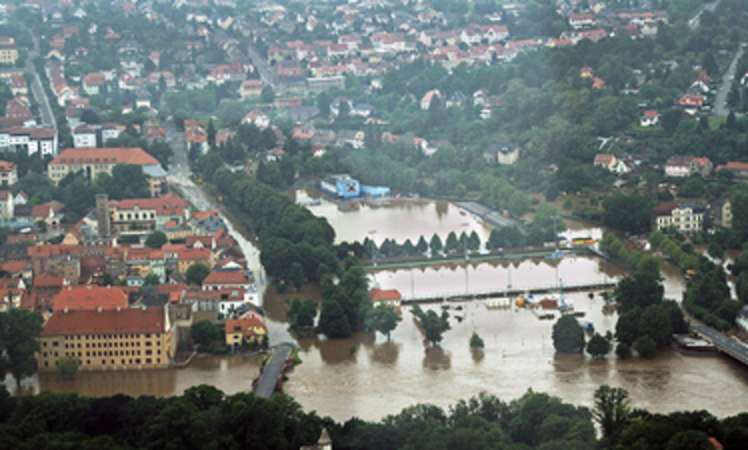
{"x":369,"y":377}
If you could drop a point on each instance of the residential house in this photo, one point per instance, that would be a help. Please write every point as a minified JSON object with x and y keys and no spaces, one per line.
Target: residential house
{"x":683,"y":218}
{"x":8,"y":51}
{"x":29,"y":140}
{"x":503,"y":153}
{"x":649,"y":118}
{"x":94,"y":83}
{"x":737,"y":168}
{"x":691,"y":103}
{"x":257,"y":118}
{"x":8,"y":174}
{"x":723,"y":213}
{"x":428,"y":98}
{"x":247,"y":330}
{"x":84,"y":136}
{"x":685,"y":166}
{"x":611,"y":163}
{"x":7,"y":207}
{"x":116,"y":339}
{"x":742,"y":319}
{"x":251,"y":89}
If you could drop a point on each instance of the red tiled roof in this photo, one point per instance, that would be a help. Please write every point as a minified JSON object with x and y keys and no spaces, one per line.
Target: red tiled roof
{"x":14,"y":266}
{"x":113,"y":155}
{"x":112,"y":321}
{"x":737,"y":166}
{"x":236,"y":294}
{"x":166,"y":205}
{"x":47,"y":250}
{"x":42,"y":211}
{"x":226,"y":277}
{"x":89,"y":298}
{"x":246,"y":324}
{"x":379,"y":295}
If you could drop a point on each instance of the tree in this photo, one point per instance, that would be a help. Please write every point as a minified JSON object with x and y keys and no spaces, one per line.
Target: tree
{"x":296,"y":275}
{"x":646,"y":347}
{"x":629,"y":213}
{"x":452,"y":242}
{"x":157,"y":239}
{"x":196,"y":273}
{"x":152,"y":280}
{"x":432,"y":324}
{"x":204,"y":333}
{"x":689,"y":440}
{"x":19,"y":330}
{"x":476,"y":342}
{"x":211,"y":134}
{"x":382,"y":318}
{"x":333,"y":321}
{"x":67,"y":367}
{"x":267,"y":95}
{"x":655,"y":322}
{"x":568,"y":335}
{"x":598,"y":346}
{"x":435,"y":244}
{"x":301,"y":314}
{"x":611,"y":410}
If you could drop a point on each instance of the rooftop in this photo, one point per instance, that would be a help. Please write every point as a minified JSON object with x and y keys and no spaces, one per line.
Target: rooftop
{"x":133,"y":321}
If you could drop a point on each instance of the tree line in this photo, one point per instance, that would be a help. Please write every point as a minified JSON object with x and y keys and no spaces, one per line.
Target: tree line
{"x":203,"y":417}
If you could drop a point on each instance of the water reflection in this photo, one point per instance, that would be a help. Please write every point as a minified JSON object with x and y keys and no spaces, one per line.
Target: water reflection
{"x":385,"y":353}
{"x":436,"y":358}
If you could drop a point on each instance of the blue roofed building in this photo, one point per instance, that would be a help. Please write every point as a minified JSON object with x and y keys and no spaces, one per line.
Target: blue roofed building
{"x":341,"y":186}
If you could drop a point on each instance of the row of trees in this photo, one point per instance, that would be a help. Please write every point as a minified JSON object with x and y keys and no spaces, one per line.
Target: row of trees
{"x":204,"y":416}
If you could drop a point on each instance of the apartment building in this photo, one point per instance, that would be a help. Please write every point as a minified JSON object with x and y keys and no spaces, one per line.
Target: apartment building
{"x":95,"y":161}
{"x":117,"y":339}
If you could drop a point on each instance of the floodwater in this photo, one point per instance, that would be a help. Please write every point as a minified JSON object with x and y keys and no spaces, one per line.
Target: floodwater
{"x":397,"y":219}
{"x":368,"y":377}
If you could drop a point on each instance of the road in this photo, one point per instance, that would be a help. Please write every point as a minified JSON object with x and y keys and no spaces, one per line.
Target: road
{"x":180,"y":177}
{"x":267,"y":74}
{"x":720,"y":101}
{"x":37,"y":90}
{"x":695,"y":20}
{"x":273,"y":371}
{"x":724,"y":343}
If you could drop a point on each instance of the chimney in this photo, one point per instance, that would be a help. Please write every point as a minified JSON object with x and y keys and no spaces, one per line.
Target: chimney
{"x":66,"y":310}
{"x":99,"y":309}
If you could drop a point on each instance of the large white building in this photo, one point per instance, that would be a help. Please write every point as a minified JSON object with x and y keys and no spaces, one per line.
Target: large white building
{"x":683,"y":218}
{"x":29,"y":140}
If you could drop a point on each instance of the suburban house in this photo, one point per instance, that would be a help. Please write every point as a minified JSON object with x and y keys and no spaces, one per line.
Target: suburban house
{"x":742,"y":319}
{"x":737,"y":168}
{"x":723,"y":213}
{"x":249,"y":329}
{"x":503,"y":153}
{"x":691,"y":103}
{"x":84,"y":136}
{"x":7,"y":207}
{"x":257,"y":118}
{"x":8,"y":51}
{"x":649,"y":118}
{"x":251,"y":89}
{"x":429,"y":97}
{"x":111,"y":339}
{"x":683,"y":218}
{"x":30,"y":141}
{"x":8,"y":174}
{"x":610,"y":163}
{"x":685,"y":166}
{"x":142,"y":215}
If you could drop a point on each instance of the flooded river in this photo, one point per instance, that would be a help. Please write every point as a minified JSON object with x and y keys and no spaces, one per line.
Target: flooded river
{"x":369,"y":377}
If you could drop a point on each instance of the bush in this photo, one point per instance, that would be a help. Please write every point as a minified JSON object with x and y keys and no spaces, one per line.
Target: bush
{"x":646,"y":347}
{"x":623,"y":351}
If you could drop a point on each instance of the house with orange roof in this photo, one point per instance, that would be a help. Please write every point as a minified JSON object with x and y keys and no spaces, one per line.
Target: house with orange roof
{"x":249,"y":330}
{"x":140,"y":216}
{"x":391,"y":297}
{"x":8,"y":174}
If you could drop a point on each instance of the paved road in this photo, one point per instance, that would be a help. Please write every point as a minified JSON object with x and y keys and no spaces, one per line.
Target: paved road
{"x":720,"y":102}
{"x":273,"y":371}
{"x":48,"y":118}
{"x":695,"y":20}
{"x":723,"y":342}
{"x":267,"y":74}
{"x":180,"y":176}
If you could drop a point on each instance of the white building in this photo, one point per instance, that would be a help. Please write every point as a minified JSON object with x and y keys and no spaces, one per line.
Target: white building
{"x":29,"y":141}
{"x":683,"y":218}
{"x":84,"y":136}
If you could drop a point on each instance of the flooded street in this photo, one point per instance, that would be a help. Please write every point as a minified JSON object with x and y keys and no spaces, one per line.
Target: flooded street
{"x":369,"y":377}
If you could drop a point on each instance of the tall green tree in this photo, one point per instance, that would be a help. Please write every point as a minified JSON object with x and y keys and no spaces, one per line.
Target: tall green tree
{"x":19,"y":329}
{"x":333,"y":321}
{"x":612,"y":410}
{"x":568,"y":335}
{"x":382,"y":318}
